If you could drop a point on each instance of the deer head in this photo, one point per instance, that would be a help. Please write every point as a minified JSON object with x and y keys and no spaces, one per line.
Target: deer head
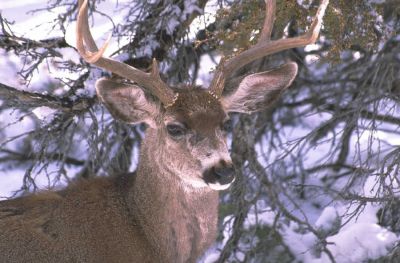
{"x":191,"y":124}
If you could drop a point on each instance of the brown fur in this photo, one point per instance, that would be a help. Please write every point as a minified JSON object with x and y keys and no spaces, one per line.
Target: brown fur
{"x":150,"y":217}
{"x":167,"y":212}
{"x":102,"y":220}
{"x":199,"y":110}
{"x":88,"y":222}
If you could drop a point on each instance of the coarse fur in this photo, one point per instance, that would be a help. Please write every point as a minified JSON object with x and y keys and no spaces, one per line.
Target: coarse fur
{"x":111,"y":219}
{"x":166,"y":211}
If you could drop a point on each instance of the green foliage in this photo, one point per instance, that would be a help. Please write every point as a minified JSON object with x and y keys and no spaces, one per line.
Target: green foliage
{"x":357,"y":24}
{"x":237,"y":24}
{"x":268,"y":245}
{"x":226,"y":209}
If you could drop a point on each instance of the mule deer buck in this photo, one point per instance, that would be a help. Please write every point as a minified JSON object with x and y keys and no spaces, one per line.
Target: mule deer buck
{"x":167,"y":210}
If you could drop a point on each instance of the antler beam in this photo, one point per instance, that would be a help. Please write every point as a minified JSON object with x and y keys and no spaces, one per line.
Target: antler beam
{"x":265,"y":47}
{"x":151,"y":81}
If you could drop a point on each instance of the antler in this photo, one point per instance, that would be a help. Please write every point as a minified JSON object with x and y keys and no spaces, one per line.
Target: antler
{"x":265,"y":46}
{"x":151,"y":81}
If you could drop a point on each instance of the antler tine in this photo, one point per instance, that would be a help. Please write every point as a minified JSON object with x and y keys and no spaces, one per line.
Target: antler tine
{"x":270,"y":9}
{"x":265,"y":47}
{"x":151,"y":81}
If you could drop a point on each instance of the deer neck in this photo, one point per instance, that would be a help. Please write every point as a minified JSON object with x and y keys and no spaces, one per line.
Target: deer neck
{"x":179,"y":221}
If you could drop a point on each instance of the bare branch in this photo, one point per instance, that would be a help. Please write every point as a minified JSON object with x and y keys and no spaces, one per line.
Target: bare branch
{"x":25,"y":99}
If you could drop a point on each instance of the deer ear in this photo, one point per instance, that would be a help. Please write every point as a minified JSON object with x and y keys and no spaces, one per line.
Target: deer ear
{"x":260,"y":90}
{"x":127,"y":102}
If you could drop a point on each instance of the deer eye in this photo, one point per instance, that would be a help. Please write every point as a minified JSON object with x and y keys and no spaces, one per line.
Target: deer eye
{"x":176,"y":130}
{"x":227,"y":126}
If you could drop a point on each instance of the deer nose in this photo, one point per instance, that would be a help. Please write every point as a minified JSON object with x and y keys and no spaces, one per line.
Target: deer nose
{"x":220,"y":176}
{"x":224,"y":175}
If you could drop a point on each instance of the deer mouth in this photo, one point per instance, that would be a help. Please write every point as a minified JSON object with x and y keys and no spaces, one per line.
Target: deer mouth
{"x":219,"y":178}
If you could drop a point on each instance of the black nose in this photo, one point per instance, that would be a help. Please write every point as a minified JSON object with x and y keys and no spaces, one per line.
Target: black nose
{"x":224,"y":175}
{"x":221,"y":174}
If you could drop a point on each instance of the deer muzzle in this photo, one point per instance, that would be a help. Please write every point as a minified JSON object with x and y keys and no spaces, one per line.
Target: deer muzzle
{"x":220,"y":177}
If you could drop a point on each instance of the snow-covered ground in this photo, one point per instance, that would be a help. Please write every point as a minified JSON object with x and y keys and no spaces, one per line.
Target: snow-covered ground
{"x":357,"y":241}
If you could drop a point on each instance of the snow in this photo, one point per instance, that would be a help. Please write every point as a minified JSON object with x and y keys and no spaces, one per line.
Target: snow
{"x":45,"y":114}
{"x":209,"y":16}
{"x":360,"y":239}
{"x":35,"y":27}
{"x":329,"y":217}
{"x":260,"y":214}
{"x":359,"y":242}
{"x":301,"y":245}
{"x":9,"y":4}
{"x":205,"y":71}
{"x":190,"y":8}
{"x":355,"y":244}
{"x":150,"y":44}
{"x":11,"y":182}
{"x":8,"y":68}
{"x":172,"y":24}
{"x":13,"y":124}
{"x":310,"y":59}
{"x":312,"y":47}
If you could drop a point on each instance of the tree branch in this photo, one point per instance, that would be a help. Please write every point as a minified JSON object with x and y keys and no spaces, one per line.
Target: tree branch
{"x":25,"y":100}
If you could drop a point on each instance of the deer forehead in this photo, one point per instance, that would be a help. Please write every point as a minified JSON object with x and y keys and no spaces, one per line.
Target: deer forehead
{"x":197,"y":109}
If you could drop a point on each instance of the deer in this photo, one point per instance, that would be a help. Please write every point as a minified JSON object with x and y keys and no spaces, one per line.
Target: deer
{"x":166,"y":211}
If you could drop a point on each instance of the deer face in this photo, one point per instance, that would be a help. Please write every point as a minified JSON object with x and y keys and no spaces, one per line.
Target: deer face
{"x":192,"y":131}
{"x":196,"y":127}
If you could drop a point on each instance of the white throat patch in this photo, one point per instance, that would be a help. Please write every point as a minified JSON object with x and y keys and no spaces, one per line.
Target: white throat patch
{"x":220,"y":187}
